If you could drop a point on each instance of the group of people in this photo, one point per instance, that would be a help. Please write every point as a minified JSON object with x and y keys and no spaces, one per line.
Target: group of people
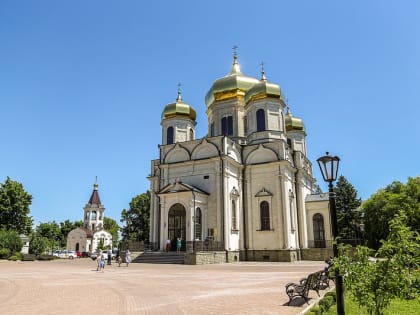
{"x":169,"y":245}
{"x":100,"y":259}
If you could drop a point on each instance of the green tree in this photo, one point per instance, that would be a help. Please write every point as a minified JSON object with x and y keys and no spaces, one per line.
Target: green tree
{"x":348,"y":214}
{"x":39,"y":245}
{"x":112,"y":227}
{"x":51,"y":232}
{"x":14,"y":207}
{"x":10,"y":241}
{"x":394,"y":273}
{"x":136,"y":218}
{"x":382,"y":206}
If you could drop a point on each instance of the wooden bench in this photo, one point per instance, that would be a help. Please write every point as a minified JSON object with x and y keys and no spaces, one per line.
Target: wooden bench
{"x":302,"y":288}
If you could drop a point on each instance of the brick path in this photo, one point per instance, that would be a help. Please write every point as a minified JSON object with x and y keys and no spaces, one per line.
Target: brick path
{"x":75,"y":287}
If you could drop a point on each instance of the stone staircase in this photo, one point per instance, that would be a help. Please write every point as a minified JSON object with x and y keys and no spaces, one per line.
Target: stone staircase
{"x":148,"y":257}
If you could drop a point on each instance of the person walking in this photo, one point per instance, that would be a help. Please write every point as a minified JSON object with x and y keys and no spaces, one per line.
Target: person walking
{"x":127,"y":257}
{"x":100,"y":260}
{"x":168,"y":245}
{"x":178,"y":245}
{"x":109,"y":252}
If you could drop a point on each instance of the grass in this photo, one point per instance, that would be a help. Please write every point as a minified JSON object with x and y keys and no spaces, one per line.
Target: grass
{"x":397,"y":307}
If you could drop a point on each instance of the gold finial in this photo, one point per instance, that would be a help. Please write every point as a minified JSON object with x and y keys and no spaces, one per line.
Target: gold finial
{"x":235,"y":67}
{"x":179,"y":97}
{"x":288,"y":107}
{"x":263,"y":78}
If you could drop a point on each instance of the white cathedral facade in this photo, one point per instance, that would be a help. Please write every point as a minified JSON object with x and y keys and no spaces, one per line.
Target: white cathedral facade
{"x":247,"y":185}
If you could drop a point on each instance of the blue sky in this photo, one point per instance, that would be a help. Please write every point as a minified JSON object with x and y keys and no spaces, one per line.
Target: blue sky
{"x":83,"y":85}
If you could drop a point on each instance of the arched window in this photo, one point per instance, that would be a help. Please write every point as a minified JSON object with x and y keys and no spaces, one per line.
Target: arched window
{"x":234,"y":217}
{"x":198,"y":224}
{"x":93,"y":215}
{"x":227,"y":126}
{"x":212,"y":129}
{"x":265,"y":215}
{"x":260,"y":120}
{"x":319,"y":230}
{"x":170,"y":135}
{"x":191,"y":134}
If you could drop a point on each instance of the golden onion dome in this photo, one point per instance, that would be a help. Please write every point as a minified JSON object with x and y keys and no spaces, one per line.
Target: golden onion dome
{"x":179,"y":108}
{"x":293,"y":123}
{"x":233,"y":85}
{"x":263,"y":89}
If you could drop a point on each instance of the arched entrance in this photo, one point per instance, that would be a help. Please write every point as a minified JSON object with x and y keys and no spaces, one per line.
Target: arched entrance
{"x":176,"y":225}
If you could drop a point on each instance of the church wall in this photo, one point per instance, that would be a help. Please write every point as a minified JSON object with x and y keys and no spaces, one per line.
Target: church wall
{"x":77,"y":236}
{"x":312,"y":208}
{"x":233,"y":174}
{"x":233,"y":107}
{"x":265,"y":177}
{"x":107,"y":237}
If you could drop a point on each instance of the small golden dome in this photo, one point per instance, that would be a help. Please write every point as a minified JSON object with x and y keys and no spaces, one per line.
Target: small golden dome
{"x":233,"y":85}
{"x":293,"y":123}
{"x":263,"y":89}
{"x":179,"y":108}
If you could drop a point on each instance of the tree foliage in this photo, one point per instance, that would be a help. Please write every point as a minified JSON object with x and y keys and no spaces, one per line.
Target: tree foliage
{"x":39,"y":245}
{"x":10,"y":241}
{"x":382,"y":206}
{"x":136,"y":218}
{"x":14,"y":207}
{"x":112,"y":227}
{"x":348,"y":214}
{"x":394,"y":273}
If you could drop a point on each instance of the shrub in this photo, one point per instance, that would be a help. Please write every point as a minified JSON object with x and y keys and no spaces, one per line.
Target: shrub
{"x":4,"y":253}
{"x":326,"y":303}
{"x":316,"y":310}
{"x":16,"y":256}
{"x":45,"y":257}
{"x":28,"y":257}
{"x":332,"y":294}
{"x":11,"y":240}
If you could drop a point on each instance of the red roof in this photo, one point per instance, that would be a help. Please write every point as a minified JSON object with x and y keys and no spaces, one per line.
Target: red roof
{"x":94,"y":198}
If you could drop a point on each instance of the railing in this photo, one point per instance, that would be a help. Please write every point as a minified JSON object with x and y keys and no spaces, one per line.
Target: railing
{"x":204,"y":246}
{"x":329,"y":243}
{"x":138,"y":246}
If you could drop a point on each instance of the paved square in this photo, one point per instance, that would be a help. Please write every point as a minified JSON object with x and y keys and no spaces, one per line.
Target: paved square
{"x":75,"y":287}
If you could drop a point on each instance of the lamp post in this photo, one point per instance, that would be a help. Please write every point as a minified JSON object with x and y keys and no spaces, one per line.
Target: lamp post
{"x":329,"y":169}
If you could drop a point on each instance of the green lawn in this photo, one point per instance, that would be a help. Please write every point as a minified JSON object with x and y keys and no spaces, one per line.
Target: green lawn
{"x":397,"y":307}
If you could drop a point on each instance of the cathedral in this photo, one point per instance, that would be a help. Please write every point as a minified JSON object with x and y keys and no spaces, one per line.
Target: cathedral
{"x":246,"y":186}
{"x":92,"y":234}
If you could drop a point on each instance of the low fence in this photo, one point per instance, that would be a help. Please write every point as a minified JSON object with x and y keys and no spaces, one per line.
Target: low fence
{"x":329,"y":243}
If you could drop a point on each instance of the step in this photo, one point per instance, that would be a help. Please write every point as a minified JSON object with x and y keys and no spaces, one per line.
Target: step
{"x":160,"y":258}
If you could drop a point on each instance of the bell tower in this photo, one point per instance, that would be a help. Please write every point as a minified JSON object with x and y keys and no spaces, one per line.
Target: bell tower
{"x":94,"y":211}
{"x":178,"y":121}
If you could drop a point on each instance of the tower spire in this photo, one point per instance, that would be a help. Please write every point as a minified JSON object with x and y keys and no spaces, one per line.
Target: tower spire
{"x":95,"y":186}
{"x":263,"y":78}
{"x":179,"y":97}
{"x":235,"y":67}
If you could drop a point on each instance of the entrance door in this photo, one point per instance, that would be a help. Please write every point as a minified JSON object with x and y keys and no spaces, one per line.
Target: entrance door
{"x":176,"y":225}
{"x":319,"y":231}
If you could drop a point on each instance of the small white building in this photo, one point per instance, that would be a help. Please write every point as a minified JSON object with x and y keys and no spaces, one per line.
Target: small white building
{"x":25,"y":244}
{"x":88,"y":237}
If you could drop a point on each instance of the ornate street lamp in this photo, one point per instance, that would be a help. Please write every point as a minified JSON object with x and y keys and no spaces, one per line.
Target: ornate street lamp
{"x":329,"y":169}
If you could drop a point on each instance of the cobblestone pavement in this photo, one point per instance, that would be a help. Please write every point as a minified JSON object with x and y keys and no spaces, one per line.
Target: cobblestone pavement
{"x":75,"y":287}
